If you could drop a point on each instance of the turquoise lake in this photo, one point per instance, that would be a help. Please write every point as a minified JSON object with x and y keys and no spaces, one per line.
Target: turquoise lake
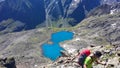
{"x":52,"y":51}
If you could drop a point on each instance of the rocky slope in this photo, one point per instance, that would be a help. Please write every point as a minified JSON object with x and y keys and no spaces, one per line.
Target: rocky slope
{"x":110,"y":54}
{"x":24,"y":47}
{"x":99,"y":33}
{"x":98,"y":30}
{"x":96,"y":33}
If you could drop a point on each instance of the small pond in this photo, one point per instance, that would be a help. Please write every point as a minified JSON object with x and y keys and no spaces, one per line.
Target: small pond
{"x":52,"y":51}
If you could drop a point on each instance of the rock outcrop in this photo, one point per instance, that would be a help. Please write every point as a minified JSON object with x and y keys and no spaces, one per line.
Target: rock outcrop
{"x":7,"y":62}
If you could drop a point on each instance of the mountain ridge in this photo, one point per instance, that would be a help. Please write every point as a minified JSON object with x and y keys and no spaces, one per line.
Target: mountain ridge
{"x":37,"y":12}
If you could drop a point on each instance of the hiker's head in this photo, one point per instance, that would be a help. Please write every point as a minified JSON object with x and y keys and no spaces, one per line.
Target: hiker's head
{"x":97,"y":54}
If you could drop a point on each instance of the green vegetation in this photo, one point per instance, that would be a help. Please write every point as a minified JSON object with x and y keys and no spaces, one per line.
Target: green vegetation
{"x":58,"y":25}
{"x":108,"y":47}
{"x":62,"y":22}
{"x":55,"y":29}
{"x":34,"y":39}
{"x":55,"y":24}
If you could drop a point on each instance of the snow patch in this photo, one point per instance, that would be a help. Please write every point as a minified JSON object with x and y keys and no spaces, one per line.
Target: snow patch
{"x":113,"y":25}
{"x":71,"y":50}
{"x":35,"y":65}
{"x":77,"y":39}
{"x":114,"y":11}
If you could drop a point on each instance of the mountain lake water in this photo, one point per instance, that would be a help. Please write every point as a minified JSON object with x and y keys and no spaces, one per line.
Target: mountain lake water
{"x":52,"y":51}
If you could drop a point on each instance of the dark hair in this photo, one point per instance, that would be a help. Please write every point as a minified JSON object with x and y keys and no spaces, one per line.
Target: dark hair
{"x":98,"y":54}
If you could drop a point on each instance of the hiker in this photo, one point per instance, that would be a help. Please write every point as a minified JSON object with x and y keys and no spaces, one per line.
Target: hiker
{"x":82,"y":56}
{"x":92,"y":58}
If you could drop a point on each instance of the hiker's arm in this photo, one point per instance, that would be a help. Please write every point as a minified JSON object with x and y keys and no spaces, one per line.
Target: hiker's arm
{"x":76,"y":56}
{"x":100,"y":62}
{"x":85,"y":66}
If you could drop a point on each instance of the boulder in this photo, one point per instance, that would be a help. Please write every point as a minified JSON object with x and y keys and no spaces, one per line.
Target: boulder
{"x":8,"y":62}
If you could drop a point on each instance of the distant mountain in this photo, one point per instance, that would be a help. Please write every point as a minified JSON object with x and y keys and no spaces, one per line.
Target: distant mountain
{"x":30,"y":12}
{"x":76,"y":9}
{"x":10,"y":25}
{"x":34,"y":12}
{"x":109,"y":2}
{"x":105,"y":9}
